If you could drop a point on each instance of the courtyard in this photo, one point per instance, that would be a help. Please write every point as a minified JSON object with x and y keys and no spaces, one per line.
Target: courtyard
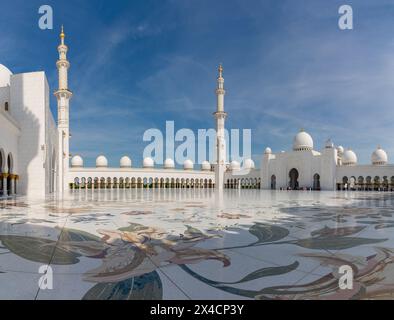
{"x":197,"y":244}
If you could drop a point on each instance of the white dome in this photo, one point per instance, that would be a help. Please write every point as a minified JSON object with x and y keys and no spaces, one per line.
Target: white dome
{"x":101,"y":161}
{"x":249,"y":164}
{"x":379,"y":157}
{"x":341,"y":150}
{"x":148,"y":163}
{"x":302,"y":141}
{"x":188,"y":165}
{"x":169,"y":164}
{"x":267,"y":151}
{"x":349,"y":158}
{"x":205,"y":166}
{"x":5,"y":76}
{"x":125,"y":162}
{"x":76,"y":162}
{"x":234,"y":165}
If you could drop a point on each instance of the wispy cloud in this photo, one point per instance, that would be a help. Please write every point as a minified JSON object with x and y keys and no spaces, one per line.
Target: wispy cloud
{"x":135,"y":65}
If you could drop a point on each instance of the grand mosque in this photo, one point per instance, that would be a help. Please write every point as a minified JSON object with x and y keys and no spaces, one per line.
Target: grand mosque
{"x":35,"y":152}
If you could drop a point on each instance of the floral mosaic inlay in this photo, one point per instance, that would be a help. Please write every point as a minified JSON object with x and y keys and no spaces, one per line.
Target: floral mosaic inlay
{"x":199,"y":245}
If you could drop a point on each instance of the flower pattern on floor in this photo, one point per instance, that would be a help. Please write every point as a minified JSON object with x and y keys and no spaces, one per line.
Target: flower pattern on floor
{"x":252,"y":245}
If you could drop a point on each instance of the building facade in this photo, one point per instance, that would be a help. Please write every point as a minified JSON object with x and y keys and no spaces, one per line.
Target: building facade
{"x":28,"y":133}
{"x":333,"y":168}
{"x":35,"y":152}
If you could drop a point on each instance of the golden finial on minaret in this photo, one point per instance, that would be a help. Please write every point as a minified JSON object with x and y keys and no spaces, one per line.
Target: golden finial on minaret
{"x":62,"y":35}
{"x":302,"y":130}
{"x":220,"y":70}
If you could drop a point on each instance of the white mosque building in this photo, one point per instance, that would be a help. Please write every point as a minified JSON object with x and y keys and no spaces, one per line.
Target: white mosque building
{"x":333,"y":168}
{"x":28,"y":135}
{"x":35,"y":157}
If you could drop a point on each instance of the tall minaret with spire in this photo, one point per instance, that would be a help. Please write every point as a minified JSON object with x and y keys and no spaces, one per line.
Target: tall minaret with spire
{"x":63,"y":95}
{"x":220,"y":117}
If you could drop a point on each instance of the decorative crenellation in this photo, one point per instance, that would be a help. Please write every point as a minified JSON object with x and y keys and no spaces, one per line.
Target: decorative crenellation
{"x":220,"y":91}
{"x":220,"y":115}
{"x":63,"y":93}
{"x":63,"y":63}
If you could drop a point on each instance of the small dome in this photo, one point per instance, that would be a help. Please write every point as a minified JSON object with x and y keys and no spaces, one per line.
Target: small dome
{"x":125,"y":162}
{"x":329,"y":144}
{"x":234,"y":165}
{"x":340,"y":150}
{"x":302,"y":142}
{"x":101,"y":162}
{"x":5,"y":76}
{"x":148,"y":163}
{"x":205,"y":166}
{"x":349,"y":158}
{"x":169,"y":164}
{"x":249,"y":164}
{"x":76,"y":162}
{"x":379,"y":157}
{"x":188,"y":165}
{"x":267,"y":151}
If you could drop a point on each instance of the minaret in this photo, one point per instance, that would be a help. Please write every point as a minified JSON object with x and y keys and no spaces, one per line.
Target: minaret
{"x":220,"y":117}
{"x":63,"y":96}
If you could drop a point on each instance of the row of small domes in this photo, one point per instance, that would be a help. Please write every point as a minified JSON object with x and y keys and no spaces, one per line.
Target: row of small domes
{"x":378,"y":157}
{"x":125,"y":162}
{"x":247,"y":164}
{"x":349,"y":157}
{"x":303,"y":141}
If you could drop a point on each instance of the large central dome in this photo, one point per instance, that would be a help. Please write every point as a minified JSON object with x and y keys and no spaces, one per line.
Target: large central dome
{"x":302,"y":142}
{"x":5,"y":76}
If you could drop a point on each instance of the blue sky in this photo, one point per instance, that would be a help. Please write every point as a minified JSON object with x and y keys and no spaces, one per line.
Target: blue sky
{"x":136,"y":64}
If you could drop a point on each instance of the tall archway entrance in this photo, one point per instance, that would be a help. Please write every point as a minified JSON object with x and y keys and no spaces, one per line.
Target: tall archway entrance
{"x":316,"y":182}
{"x":273,"y":182}
{"x":293,"y":175}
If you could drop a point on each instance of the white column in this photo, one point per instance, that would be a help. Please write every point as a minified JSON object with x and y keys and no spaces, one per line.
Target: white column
{"x":5,"y":191}
{"x":12,"y":188}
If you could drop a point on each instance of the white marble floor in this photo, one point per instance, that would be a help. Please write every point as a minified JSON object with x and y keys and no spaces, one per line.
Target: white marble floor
{"x":196,"y":244}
